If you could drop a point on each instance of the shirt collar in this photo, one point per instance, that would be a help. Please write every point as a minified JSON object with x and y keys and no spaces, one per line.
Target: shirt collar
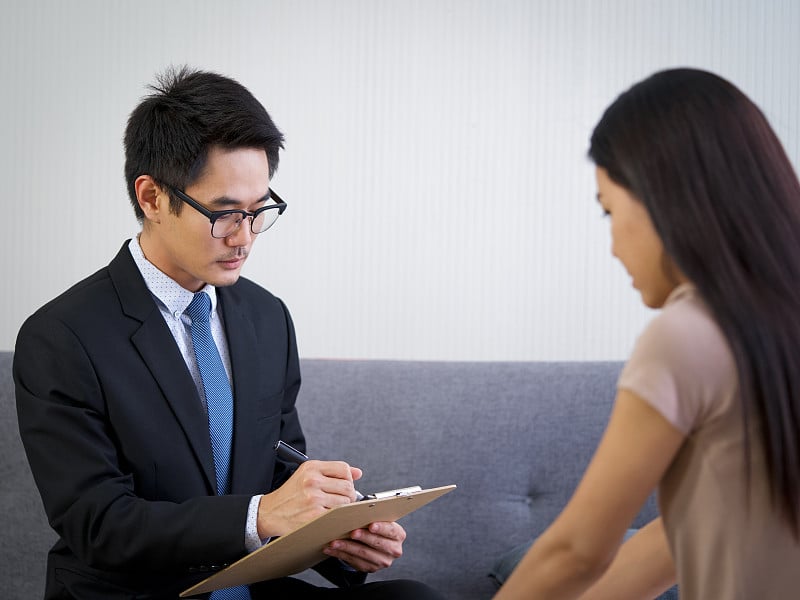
{"x":168,"y":291}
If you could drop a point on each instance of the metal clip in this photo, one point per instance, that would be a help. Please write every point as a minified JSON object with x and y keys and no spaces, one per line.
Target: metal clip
{"x":406,"y":491}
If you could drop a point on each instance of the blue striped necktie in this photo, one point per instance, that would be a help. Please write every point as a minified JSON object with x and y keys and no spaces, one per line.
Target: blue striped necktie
{"x":219,"y":403}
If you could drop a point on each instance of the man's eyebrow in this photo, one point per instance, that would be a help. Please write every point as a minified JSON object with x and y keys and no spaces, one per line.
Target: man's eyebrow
{"x":226,"y":201}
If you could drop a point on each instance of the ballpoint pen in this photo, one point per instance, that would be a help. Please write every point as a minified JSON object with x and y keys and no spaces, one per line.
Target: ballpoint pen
{"x":286,"y":452}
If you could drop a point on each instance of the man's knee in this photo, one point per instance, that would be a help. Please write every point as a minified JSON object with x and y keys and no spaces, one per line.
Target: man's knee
{"x":401,"y":589}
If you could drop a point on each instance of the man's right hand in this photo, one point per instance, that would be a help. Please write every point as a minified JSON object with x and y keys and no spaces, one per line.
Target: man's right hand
{"x":313,"y":488}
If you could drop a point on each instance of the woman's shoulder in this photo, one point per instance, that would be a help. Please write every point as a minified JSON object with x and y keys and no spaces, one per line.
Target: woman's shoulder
{"x":685,"y":330}
{"x":682,"y":363}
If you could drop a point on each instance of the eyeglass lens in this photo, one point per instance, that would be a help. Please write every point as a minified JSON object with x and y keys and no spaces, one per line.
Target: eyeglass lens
{"x":225,"y":225}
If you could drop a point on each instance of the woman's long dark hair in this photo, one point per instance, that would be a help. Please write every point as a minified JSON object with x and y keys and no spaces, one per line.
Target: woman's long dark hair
{"x":725,"y":200}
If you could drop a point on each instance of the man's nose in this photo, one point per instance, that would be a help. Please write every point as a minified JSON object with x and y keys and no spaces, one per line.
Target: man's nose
{"x":243,"y":234}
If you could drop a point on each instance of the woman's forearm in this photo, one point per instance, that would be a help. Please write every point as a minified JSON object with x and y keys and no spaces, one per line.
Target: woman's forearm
{"x":552,"y":569}
{"x":642,"y":569}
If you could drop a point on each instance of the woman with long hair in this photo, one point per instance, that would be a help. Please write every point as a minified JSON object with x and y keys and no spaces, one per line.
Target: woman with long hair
{"x":704,"y":208}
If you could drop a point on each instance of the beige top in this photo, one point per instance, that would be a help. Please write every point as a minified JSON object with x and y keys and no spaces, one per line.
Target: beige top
{"x":683,"y":367}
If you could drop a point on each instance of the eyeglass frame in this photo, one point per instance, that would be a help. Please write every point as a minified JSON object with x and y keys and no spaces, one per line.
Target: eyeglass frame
{"x":213,"y":215}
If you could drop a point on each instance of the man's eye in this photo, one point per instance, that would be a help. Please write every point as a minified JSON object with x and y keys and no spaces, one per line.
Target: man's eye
{"x":229,"y":218}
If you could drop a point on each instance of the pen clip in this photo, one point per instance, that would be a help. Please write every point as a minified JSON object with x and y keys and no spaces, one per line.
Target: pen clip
{"x":288,"y":453}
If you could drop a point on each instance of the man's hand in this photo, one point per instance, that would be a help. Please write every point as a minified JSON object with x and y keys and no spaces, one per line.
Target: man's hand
{"x":315,"y":487}
{"x":370,"y":549}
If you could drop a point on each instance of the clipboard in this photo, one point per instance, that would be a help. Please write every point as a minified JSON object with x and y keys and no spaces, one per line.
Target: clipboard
{"x":302,"y":548}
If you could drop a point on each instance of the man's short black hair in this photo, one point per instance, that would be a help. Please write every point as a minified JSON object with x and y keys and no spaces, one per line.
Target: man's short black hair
{"x":170,"y":133}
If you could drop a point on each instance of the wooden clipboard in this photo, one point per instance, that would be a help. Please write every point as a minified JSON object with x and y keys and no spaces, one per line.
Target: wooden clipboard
{"x":302,"y":548}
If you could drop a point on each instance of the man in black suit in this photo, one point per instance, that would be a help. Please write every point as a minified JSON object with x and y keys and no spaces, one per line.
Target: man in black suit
{"x":114,"y":400}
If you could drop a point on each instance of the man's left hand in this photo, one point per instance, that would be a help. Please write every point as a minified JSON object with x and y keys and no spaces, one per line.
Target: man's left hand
{"x":370,"y":549}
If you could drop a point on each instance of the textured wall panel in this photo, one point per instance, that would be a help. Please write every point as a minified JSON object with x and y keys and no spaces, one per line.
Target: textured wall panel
{"x":440,"y":202}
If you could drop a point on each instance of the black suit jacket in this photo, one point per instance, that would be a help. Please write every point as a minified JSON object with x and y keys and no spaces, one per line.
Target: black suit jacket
{"x":118,"y":441}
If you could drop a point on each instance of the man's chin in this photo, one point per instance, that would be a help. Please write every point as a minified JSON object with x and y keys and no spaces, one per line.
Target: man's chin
{"x":225,"y":279}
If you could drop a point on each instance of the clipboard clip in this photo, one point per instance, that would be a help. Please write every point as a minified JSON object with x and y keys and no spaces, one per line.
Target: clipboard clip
{"x":406,"y":491}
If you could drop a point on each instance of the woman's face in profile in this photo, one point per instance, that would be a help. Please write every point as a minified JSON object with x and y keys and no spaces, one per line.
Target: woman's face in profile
{"x":634,"y":241}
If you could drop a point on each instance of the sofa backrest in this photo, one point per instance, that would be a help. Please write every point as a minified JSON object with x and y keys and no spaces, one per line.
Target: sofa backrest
{"x":26,"y":536}
{"x":514,"y":437}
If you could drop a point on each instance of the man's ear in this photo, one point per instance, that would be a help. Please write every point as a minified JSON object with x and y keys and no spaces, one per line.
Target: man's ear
{"x":153,"y":201}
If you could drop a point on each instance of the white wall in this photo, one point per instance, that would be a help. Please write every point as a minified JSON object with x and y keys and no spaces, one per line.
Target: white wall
{"x":440,"y":202}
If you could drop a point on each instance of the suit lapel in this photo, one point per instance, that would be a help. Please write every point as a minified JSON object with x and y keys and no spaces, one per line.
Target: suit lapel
{"x":243,"y":349}
{"x":158,"y":350}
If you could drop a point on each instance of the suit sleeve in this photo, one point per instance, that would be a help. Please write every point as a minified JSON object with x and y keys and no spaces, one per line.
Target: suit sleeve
{"x":78,"y":464}
{"x":291,"y":431}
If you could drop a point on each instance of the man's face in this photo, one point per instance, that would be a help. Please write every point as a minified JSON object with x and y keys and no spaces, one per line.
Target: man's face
{"x":181,"y":245}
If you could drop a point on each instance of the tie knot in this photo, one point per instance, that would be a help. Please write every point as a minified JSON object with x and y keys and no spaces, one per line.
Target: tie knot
{"x":199,"y":309}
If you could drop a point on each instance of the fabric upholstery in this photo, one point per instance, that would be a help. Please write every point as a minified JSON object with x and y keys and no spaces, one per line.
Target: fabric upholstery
{"x":514,"y":437}
{"x":26,"y":535}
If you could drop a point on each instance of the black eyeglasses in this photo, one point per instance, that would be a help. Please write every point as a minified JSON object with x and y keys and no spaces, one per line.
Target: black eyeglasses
{"x":227,"y":222}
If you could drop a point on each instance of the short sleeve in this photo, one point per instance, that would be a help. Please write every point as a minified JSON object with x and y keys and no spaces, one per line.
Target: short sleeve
{"x":681,"y":364}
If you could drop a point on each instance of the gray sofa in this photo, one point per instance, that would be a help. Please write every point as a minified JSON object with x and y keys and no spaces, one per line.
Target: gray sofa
{"x":514,"y":437}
